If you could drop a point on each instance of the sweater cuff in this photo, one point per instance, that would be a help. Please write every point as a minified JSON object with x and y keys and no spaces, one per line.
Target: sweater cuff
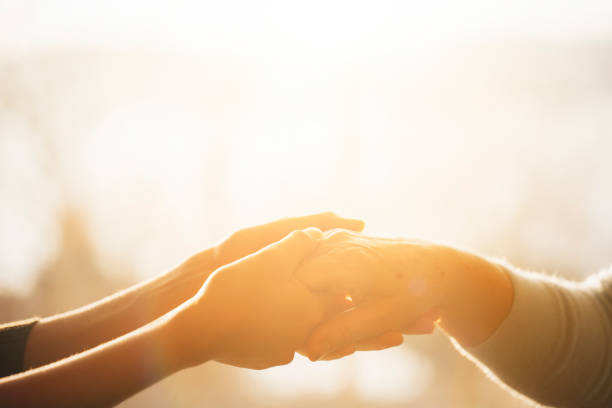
{"x":13,"y":339}
{"x":533,"y":313}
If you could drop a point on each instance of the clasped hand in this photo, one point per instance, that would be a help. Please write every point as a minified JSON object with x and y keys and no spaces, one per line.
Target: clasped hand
{"x":325,"y":295}
{"x":253,"y":301}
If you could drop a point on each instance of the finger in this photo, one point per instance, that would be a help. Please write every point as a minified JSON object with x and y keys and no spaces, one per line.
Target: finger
{"x":335,"y":303}
{"x":285,"y":255}
{"x":340,"y":273}
{"x":420,"y":327}
{"x":332,"y":305}
{"x":251,"y":239}
{"x":360,"y":323}
{"x":384,"y":341}
{"x":381,"y":342}
{"x":324,"y":221}
{"x":335,"y":355}
{"x":314,"y":233}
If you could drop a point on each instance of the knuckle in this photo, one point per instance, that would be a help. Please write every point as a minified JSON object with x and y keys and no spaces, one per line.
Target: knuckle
{"x":277,"y":358}
{"x":336,"y":235}
{"x":287,"y":358}
{"x":301,"y":236}
{"x":236,"y":236}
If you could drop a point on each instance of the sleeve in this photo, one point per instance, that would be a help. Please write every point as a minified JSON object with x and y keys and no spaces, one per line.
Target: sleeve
{"x":555,"y":346}
{"x":13,"y":338}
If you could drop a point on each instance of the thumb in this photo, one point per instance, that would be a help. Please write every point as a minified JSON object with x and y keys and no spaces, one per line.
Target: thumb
{"x":285,"y":255}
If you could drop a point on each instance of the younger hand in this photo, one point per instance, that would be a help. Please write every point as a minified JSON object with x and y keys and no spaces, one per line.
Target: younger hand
{"x":252,"y":313}
{"x":194,"y":271}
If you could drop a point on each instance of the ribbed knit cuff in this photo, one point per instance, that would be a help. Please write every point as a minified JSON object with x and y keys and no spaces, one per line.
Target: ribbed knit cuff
{"x":523,"y":352}
{"x":13,"y":338}
{"x":533,"y":312}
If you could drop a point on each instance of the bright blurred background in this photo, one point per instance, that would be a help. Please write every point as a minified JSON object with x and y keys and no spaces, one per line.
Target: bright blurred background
{"x":135,"y":133}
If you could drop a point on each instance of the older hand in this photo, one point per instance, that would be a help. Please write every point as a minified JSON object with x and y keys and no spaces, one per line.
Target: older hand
{"x":394,"y":284}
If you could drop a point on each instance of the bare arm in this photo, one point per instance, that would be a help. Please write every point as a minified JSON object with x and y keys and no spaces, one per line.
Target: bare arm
{"x":250,"y":313}
{"x":60,"y":336}
{"x":99,"y":377}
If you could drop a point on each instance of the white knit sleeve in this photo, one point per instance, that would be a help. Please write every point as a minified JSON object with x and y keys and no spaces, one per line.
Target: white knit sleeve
{"x":555,"y":346}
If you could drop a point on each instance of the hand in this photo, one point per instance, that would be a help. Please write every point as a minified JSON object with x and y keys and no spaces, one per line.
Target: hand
{"x":395,"y":286}
{"x":251,"y":239}
{"x":183,"y":282}
{"x":241,"y":243}
{"x":252,"y":313}
{"x":57,"y":337}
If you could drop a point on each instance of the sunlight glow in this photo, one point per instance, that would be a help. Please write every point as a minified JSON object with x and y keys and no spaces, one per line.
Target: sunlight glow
{"x":145,"y":164}
{"x":301,"y":377}
{"x":169,"y":125}
{"x":391,"y":376}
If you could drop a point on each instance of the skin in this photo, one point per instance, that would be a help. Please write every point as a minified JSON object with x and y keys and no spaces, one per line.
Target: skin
{"x":402,"y":286}
{"x":63,"y":335}
{"x":260,"y":313}
{"x":257,"y":309}
{"x":251,"y":312}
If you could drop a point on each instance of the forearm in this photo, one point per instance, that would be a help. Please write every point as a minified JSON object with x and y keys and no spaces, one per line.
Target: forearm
{"x":99,"y":377}
{"x":60,"y":336}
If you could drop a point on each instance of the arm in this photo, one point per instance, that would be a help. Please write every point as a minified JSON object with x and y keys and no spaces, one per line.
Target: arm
{"x":251,"y":313}
{"x":404,"y":286}
{"x":555,"y":345}
{"x":547,"y":338}
{"x":60,"y":336}
{"x":476,"y":297}
{"x":99,"y":377}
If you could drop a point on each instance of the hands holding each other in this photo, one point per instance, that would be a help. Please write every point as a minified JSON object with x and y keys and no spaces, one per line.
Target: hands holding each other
{"x":330,"y":294}
{"x":395,"y":287}
{"x":253,"y":301}
{"x":252,"y":311}
{"x":257,"y":311}
{"x":401,"y":286}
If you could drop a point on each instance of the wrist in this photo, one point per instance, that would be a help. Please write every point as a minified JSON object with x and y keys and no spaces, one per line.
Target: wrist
{"x":169,"y":346}
{"x":477,"y":296}
{"x":201,"y":264}
{"x":191,"y":334}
